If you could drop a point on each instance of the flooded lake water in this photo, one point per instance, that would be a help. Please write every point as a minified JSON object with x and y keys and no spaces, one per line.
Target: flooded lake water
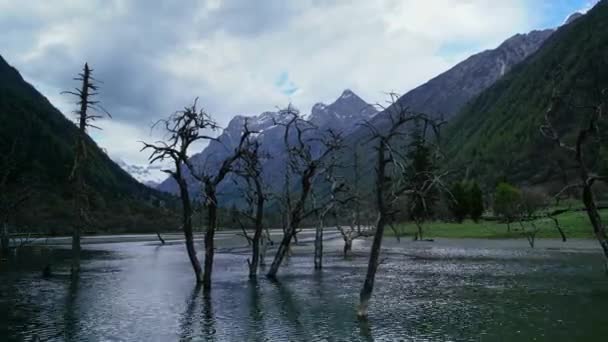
{"x":458,"y":290}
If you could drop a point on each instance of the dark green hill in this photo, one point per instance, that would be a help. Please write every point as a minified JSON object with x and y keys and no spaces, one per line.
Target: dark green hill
{"x":497,"y":136}
{"x":44,"y":153}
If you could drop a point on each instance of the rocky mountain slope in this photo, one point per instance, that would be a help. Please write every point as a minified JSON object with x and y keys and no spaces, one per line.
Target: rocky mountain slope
{"x":342,"y":115}
{"x":497,"y":135}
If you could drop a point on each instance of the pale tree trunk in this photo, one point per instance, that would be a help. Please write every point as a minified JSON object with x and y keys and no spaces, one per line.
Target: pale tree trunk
{"x":78,"y":169}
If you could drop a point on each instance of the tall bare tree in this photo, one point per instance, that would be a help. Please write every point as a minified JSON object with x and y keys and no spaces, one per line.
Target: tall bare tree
{"x":250,"y":169}
{"x":210,"y":181}
{"x":587,"y":136}
{"x":390,"y":184}
{"x":337,"y":196}
{"x":304,"y":163}
{"x":89,"y":111}
{"x":183,"y":128}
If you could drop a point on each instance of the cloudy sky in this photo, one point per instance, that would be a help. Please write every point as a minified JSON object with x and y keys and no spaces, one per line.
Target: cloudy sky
{"x":245,"y":56}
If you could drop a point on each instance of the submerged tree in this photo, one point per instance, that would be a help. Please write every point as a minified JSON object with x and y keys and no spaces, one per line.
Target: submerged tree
{"x":183,"y":128}
{"x":210,"y":181}
{"x":583,"y":153}
{"x":420,"y":168}
{"x":250,"y":169}
{"x":390,"y":184}
{"x":337,"y":196}
{"x":304,"y":163}
{"x":89,"y":111}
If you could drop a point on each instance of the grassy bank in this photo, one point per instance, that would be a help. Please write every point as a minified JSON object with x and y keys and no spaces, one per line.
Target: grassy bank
{"x":574,"y":225}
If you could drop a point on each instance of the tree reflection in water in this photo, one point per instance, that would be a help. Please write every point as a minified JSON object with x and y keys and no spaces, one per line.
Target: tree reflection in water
{"x":196,"y":313}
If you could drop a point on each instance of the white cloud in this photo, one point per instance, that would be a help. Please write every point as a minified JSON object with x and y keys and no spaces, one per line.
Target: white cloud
{"x":156,"y":57}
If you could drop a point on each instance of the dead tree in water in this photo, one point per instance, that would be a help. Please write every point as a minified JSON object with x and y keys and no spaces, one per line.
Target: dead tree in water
{"x":338,"y":196}
{"x":306,"y":164}
{"x":585,"y":137}
{"x":389,"y":185}
{"x":250,"y":169}
{"x":210,"y":181}
{"x":353,"y":209}
{"x":183,"y":128}
{"x":85,"y":115}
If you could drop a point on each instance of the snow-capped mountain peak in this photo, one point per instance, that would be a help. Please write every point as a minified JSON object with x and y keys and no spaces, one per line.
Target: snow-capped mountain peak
{"x":150,"y":175}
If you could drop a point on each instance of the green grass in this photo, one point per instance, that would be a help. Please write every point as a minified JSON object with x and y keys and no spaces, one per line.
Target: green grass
{"x":574,"y":225}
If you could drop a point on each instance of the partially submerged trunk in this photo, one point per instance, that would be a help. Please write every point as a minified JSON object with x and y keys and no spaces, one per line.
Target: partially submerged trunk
{"x":319,"y":246}
{"x":348,"y":246}
{"x":372,"y":267}
{"x":293,"y":224}
{"x":257,"y":235}
{"x":160,"y":238}
{"x":4,"y":241}
{"x":187,"y":226}
{"x":210,"y":236}
{"x":282,"y":251}
{"x":599,"y":229}
{"x":75,"y":268}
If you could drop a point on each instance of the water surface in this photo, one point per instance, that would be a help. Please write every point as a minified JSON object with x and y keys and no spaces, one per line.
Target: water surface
{"x":467,"y":290}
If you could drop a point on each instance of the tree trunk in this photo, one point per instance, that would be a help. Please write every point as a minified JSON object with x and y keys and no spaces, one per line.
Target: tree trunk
{"x":372,"y":267}
{"x":419,"y":226}
{"x":4,"y":241}
{"x":187,"y":226}
{"x":264,"y":240}
{"x":257,"y":235}
{"x":160,"y":238}
{"x":319,"y":246}
{"x":348,"y":246}
{"x":209,"y":237}
{"x":75,"y":251}
{"x":281,"y":252}
{"x":294,"y":222}
{"x":596,"y":221}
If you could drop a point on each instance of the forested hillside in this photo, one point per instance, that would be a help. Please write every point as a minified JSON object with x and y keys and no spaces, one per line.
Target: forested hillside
{"x":40,"y":142}
{"x":496,"y":137}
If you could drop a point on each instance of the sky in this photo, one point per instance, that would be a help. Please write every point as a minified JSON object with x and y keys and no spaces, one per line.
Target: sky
{"x":243,"y":57}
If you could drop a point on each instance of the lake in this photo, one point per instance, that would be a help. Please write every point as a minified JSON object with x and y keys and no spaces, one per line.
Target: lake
{"x":448,"y":290}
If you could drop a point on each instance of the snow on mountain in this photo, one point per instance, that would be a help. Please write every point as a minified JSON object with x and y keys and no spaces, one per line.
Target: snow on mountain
{"x":150,"y":175}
